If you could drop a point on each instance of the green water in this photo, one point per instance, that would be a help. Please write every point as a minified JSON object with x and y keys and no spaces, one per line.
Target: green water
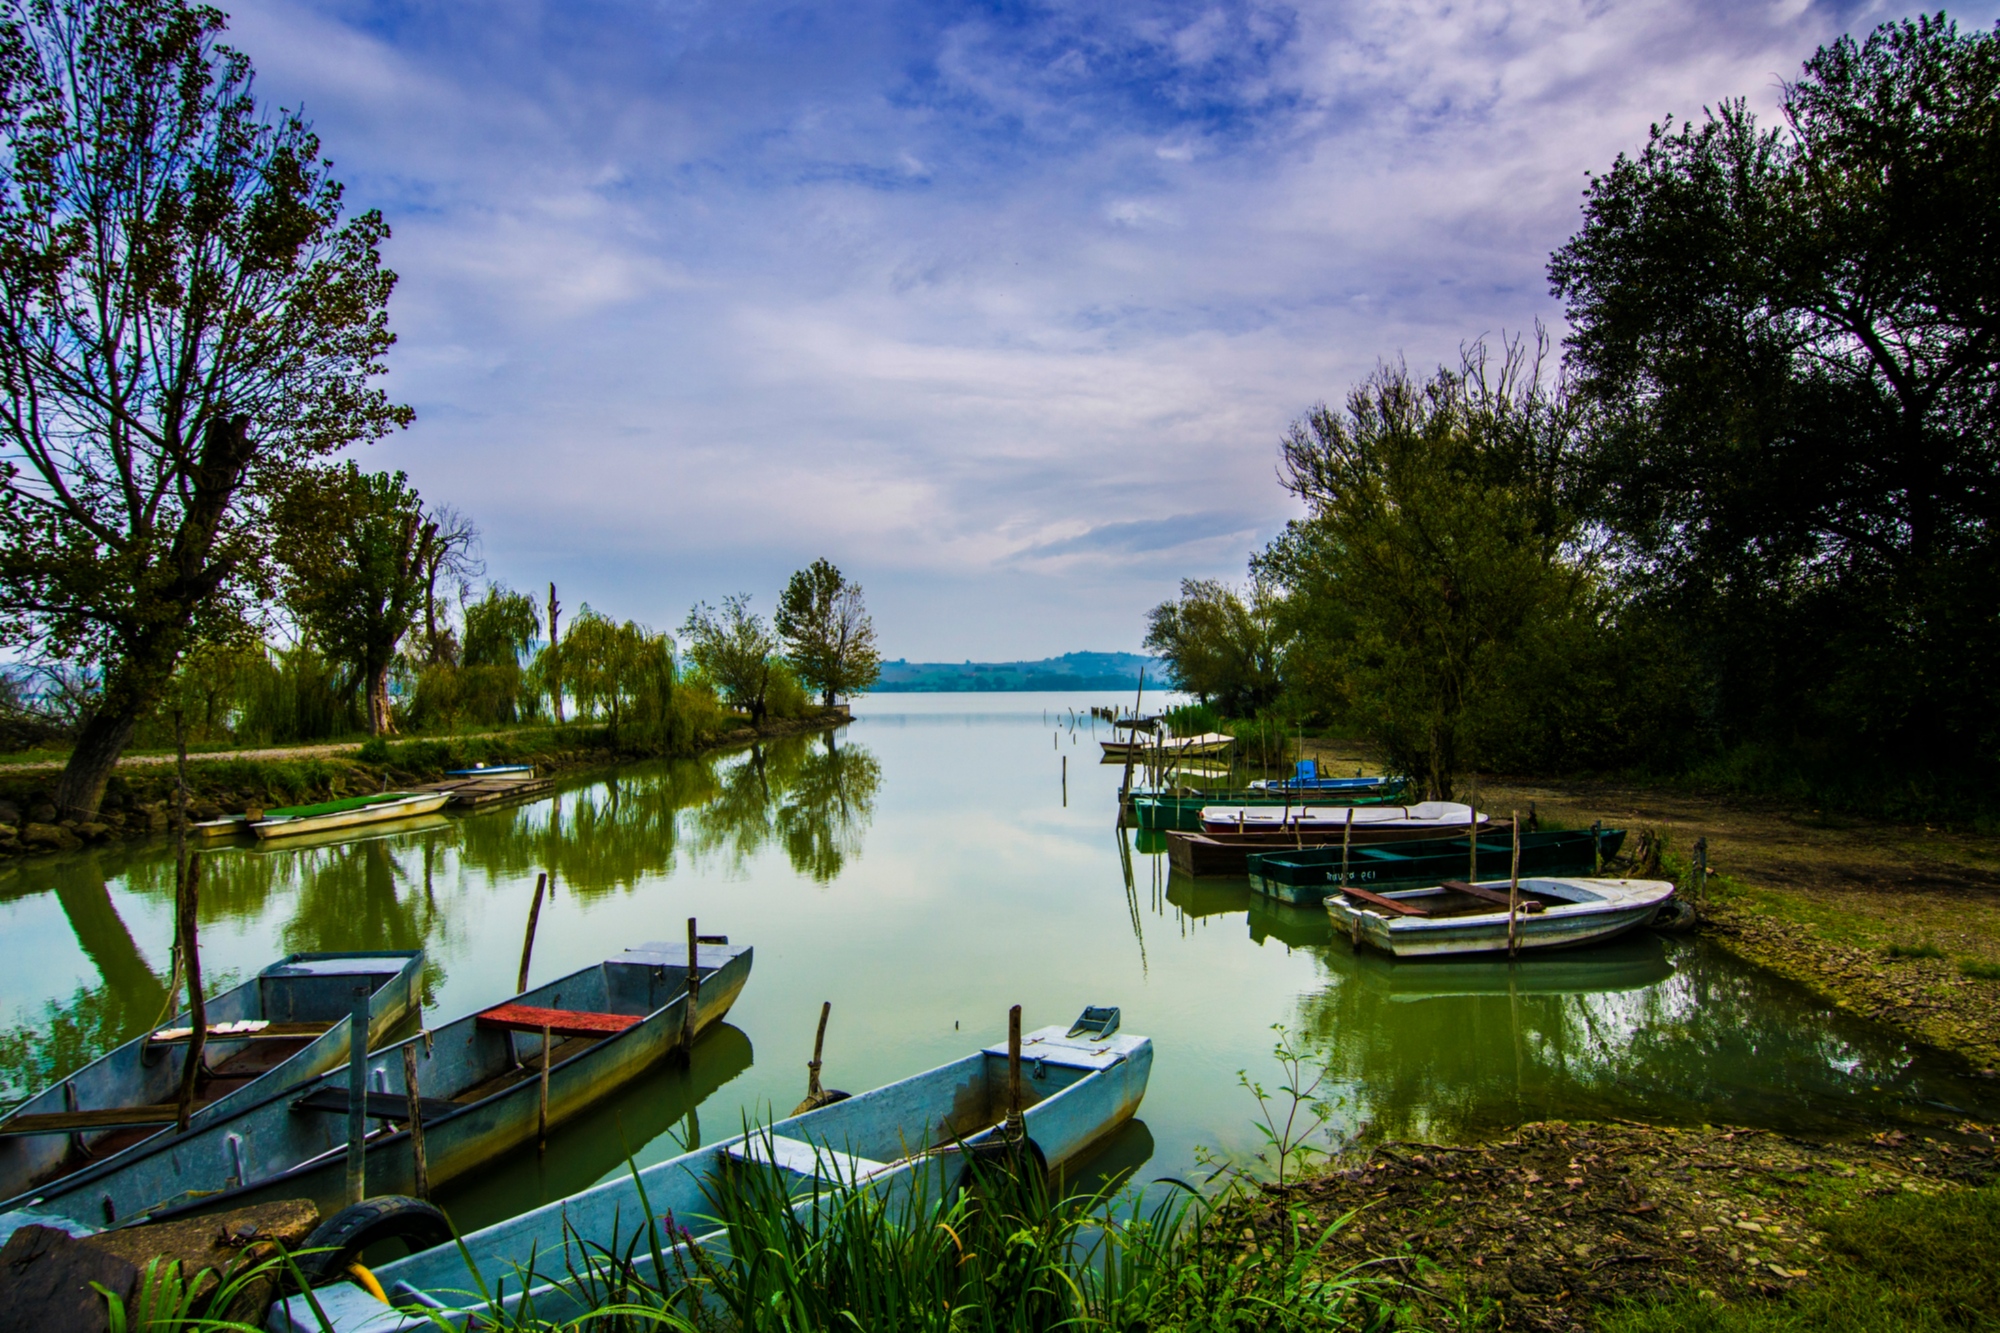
{"x":920,"y":870}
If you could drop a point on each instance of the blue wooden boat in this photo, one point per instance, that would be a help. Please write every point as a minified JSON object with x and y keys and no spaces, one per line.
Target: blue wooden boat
{"x":480,"y":1082}
{"x":1076,"y":1091}
{"x":1307,"y":777}
{"x":79,"y":1139}
{"x":1306,"y":876}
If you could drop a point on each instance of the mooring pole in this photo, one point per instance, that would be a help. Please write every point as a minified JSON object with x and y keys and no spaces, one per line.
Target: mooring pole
{"x":528,"y":941}
{"x":357,"y":1096}
{"x":421,"y":1181}
{"x":1514,"y":892}
{"x":1016,"y":1127}
{"x":688,"y":1019}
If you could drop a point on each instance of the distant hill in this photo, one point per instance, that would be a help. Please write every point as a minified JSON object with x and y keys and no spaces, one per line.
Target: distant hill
{"x":1071,"y":671}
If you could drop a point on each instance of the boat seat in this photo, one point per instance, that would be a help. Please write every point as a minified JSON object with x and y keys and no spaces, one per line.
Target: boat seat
{"x":74,"y":1122}
{"x":1528,"y":905}
{"x":250,"y":1029}
{"x":1390,"y":904}
{"x":375,"y":1105}
{"x":559,"y":1022}
{"x":805,"y":1159}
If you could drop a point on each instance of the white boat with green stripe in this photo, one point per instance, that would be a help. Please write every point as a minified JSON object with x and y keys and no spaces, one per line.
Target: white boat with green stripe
{"x":348,"y":812}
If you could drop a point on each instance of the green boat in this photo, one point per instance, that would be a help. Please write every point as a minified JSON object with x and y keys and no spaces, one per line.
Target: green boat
{"x":1307,"y":875}
{"x":1164,"y":812}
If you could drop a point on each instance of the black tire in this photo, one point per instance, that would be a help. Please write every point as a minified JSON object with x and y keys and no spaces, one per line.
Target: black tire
{"x":342,"y":1239}
{"x":1676,"y":916}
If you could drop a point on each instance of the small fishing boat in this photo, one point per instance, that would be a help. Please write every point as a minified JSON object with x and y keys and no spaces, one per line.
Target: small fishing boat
{"x":1307,"y":777}
{"x":1457,"y":918}
{"x":1433,"y":815}
{"x":1076,"y":1089}
{"x":1171,"y":747}
{"x":285,"y":1026}
{"x":1202,"y":855}
{"x":492,"y":771}
{"x":487,"y":1083}
{"x":348,"y":812}
{"x":1163,"y":811}
{"x":1307,"y":875}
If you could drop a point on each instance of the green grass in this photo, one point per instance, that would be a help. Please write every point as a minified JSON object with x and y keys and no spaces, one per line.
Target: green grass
{"x":1924,"y":1263}
{"x":1979,"y":969}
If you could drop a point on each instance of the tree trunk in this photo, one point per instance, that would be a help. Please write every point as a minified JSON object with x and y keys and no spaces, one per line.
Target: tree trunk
{"x":134,"y":688}
{"x":381,"y":722}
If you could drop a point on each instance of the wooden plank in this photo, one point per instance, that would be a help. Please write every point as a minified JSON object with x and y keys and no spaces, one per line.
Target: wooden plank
{"x":376,"y":1106}
{"x":1529,"y":905}
{"x":70,"y":1122}
{"x":269,"y":1032}
{"x":1377,"y":900}
{"x":561,"y":1022}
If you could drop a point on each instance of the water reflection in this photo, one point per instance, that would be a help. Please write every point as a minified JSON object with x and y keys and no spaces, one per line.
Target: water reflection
{"x":405,"y":886}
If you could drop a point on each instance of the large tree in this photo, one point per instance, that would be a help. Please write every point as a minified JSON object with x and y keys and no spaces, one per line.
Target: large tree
{"x":1219,"y":646}
{"x":184,"y":321}
{"x":829,"y":638}
{"x":735,"y":650}
{"x":354,"y":547}
{"x":1792,"y":337}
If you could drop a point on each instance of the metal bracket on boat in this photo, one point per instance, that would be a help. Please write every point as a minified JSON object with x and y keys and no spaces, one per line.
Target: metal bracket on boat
{"x":1096,"y":1022}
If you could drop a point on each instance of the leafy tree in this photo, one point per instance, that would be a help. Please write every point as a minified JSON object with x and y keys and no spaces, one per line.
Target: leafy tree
{"x":1438,"y":549}
{"x":501,"y":627}
{"x":1218,"y":646}
{"x":1792,"y":338}
{"x":610,"y":668}
{"x":184,"y":321}
{"x":829,"y":638}
{"x":353,"y":547}
{"x":734,"y":650}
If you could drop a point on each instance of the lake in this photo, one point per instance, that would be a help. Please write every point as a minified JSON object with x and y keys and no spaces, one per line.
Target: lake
{"x":921,"y":870}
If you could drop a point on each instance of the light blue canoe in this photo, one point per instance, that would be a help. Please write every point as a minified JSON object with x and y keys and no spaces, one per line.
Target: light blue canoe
{"x":1076,"y":1090}
{"x":70,"y":1147}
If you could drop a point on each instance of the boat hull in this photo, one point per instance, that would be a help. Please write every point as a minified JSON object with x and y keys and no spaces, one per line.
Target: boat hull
{"x":1071,"y":1107}
{"x":422,"y":803}
{"x":302,"y":987}
{"x":1619,"y":906}
{"x":1305,"y":878}
{"x":1202,"y":855}
{"x":1165,"y":813}
{"x":303,"y":1153}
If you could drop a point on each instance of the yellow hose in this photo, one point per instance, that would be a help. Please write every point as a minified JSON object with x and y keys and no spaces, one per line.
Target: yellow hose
{"x":368,"y":1282}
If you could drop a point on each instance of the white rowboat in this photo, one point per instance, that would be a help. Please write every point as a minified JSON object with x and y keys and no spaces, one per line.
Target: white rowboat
{"x":1456,"y":919}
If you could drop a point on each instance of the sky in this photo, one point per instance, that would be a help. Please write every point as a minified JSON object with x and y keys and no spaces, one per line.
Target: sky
{"x":1003,"y":308}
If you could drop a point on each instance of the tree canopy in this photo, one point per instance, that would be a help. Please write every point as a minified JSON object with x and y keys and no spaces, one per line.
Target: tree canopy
{"x":1219,"y":646}
{"x":734,"y":650}
{"x":185,"y":320}
{"x":829,"y":638}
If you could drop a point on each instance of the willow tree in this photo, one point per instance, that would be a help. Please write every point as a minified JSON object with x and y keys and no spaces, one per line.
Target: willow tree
{"x":185,"y":320}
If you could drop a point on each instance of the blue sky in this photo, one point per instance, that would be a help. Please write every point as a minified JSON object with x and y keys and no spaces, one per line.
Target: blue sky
{"x":1001,"y":307}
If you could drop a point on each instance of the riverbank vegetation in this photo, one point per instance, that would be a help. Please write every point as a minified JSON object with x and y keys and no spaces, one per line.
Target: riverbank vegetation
{"x":1740,"y":533}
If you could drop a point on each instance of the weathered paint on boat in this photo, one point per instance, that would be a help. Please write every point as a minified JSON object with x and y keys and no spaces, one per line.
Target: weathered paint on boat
{"x":1173,"y":747}
{"x":298,"y":988}
{"x":1163,"y":812}
{"x":290,"y":1153}
{"x":414,"y":803}
{"x":1078,"y":1092}
{"x":1201,"y":855}
{"x":1307,"y":876}
{"x":1581,"y":911}
{"x":1327,"y":817}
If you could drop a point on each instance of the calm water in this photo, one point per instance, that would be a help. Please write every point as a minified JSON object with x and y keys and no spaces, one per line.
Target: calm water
{"x":920,"y":870}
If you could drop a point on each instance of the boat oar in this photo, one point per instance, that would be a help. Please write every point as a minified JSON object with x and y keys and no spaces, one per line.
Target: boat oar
{"x":816,"y":1096}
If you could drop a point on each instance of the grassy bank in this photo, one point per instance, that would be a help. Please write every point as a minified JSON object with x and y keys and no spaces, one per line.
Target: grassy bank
{"x":139,"y":797}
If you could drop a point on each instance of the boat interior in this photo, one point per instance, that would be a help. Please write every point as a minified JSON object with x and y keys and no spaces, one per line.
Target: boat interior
{"x":1460,"y":898}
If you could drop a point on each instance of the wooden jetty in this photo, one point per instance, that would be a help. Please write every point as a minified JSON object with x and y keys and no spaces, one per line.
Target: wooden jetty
{"x":477,"y":791}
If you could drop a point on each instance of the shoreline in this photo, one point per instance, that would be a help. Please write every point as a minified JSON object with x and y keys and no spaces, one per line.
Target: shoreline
{"x":230,"y":781}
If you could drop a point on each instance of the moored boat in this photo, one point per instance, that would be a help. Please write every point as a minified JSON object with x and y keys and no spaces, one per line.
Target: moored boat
{"x":1307,"y":875}
{"x":480,"y":1082}
{"x":284,"y":1027}
{"x":1206,"y":854}
{"x":1457,"y":917}
{"x":1308,"y":777}
{"x":347,"y":812}
{"x":1164,"y":810}
{"x":1436,"y":816}
{"x":1171,"y":747}
{"x":1076,"y":1091}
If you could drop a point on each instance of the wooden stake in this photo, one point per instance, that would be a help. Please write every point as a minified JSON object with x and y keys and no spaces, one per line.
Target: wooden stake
{"x":543,"y":1132}
{"x":420,"y":1167}
{"x":1514,"y":891}
{"x":1016,"y":1127}
{"x":528,"y":942}
{"x":1065,"y":776}
{"x":1346,"y":833}
{"x":689,"y":1022}
{"x":357,"y":1096}
{"x":187,"y":898}
{"x":1472,"y":838}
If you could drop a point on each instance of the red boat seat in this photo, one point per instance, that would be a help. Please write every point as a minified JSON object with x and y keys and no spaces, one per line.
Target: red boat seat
{"x":559,"y":1022}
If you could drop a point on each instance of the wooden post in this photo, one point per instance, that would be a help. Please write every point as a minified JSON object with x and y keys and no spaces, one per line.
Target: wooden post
{"x":688,"y":1018}
{"x":1597,"y":846}
{"x":1016,"y":1127}
{"x":1701,"y":871}
{"x":543,"y":1122}
{"x":187,"y":898}
{"x":1472,"y":840}
{"x":357,"y":1096}
{"x":1514,"y":892}
{"x":420,"y":1167}
{"x":1346,"y":834}
{"x":528,"y":941}
{"x":1065,"y":776}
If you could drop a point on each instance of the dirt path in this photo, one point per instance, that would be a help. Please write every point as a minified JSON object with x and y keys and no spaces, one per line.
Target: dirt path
{"x":203,"y":756}
{"x":1896,"y":922}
